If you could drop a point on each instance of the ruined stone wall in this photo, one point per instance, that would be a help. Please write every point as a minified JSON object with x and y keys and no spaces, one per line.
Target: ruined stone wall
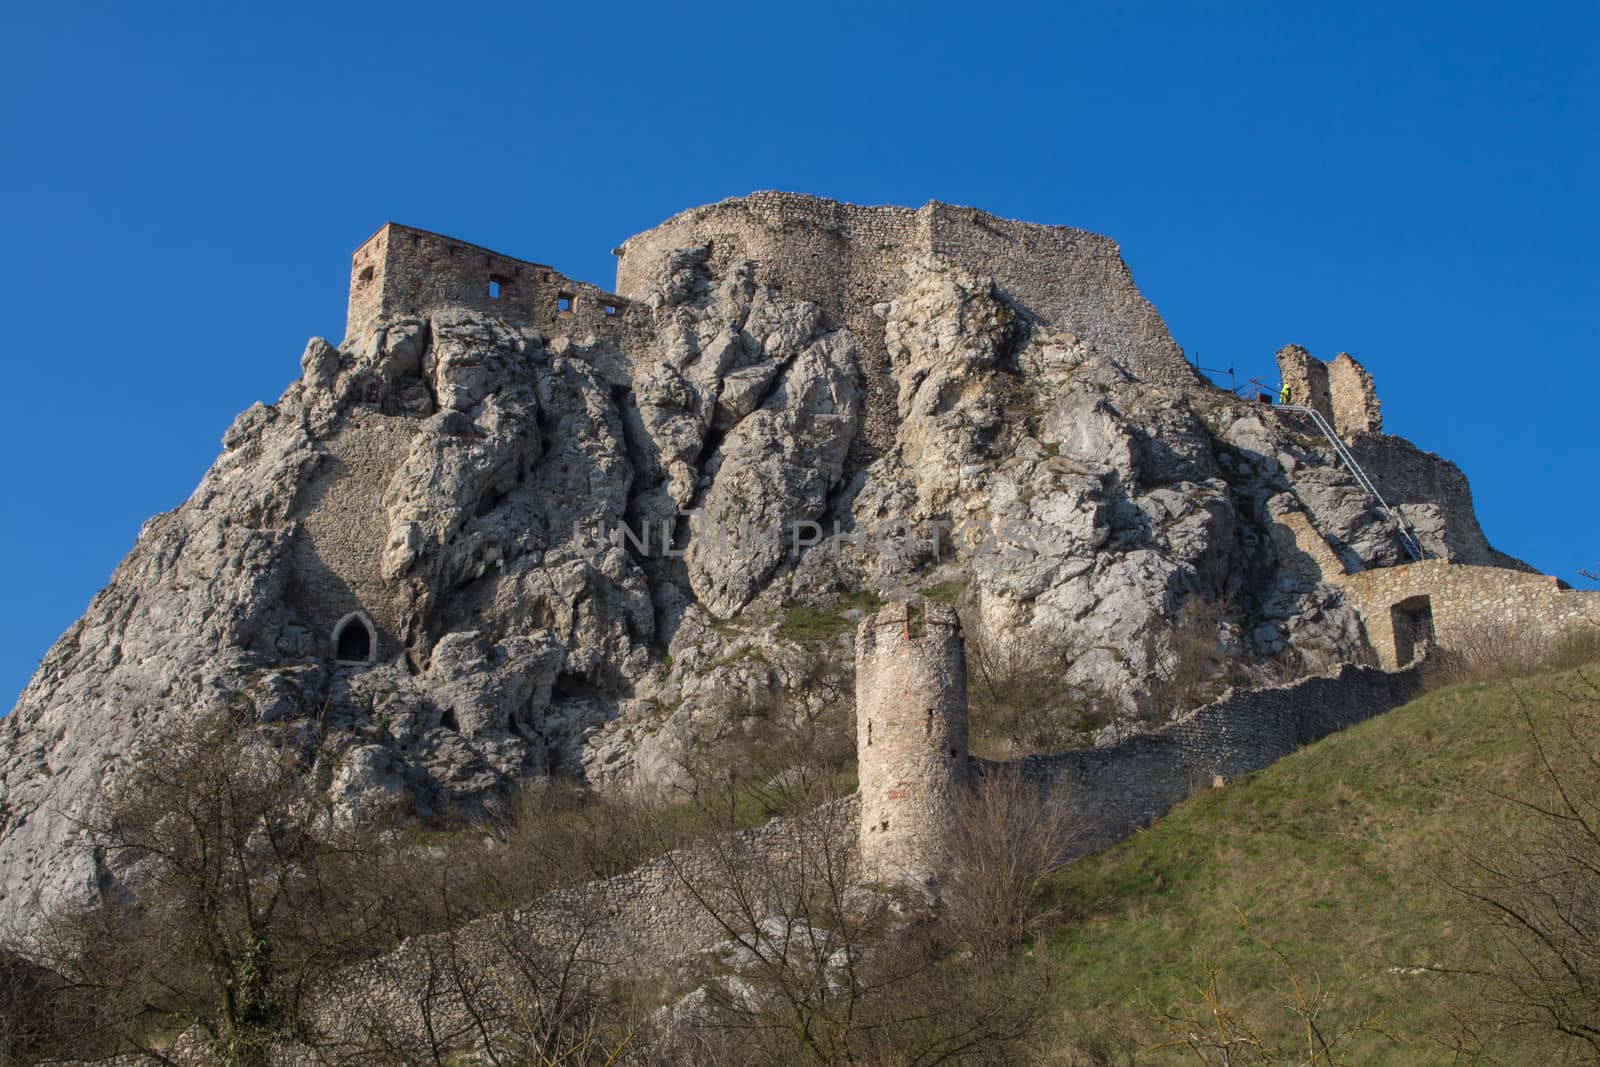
{"x":1352,"y":397}
{"x":1303,"y":550}
{"x":1307,"y":379}
{"x":642,"y":921}
{"x":1123,"y":787}
{"x":1464,"y":602}
{"x":847,"y":259}
{"x":402,"y":272}
{"x":336,"y":555}
{"x":911,"y":738}
{"x":666,"y":911}
{"x":1461,"y":602}
{"x":1435,"y":496}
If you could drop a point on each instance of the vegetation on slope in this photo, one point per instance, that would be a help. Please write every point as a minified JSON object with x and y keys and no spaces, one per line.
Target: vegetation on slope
{"x":1336,"y":862}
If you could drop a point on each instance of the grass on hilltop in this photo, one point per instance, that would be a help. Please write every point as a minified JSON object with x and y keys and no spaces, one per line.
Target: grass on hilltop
{"x":1334,"y":857}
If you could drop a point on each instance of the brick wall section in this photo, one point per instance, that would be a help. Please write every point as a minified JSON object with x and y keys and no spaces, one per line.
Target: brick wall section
{"x":1125,"y":786}
{"x":846,"y":259}
{"x":911,"y":737}
{"x":404,"y":272}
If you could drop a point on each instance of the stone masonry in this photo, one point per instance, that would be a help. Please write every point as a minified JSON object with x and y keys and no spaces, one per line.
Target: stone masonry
{"x":911,"y":737}
{"x":849,"y":259}
{"x":1341,"y":392}
{"x":1406,"y":609}
{"x":401,"y":271}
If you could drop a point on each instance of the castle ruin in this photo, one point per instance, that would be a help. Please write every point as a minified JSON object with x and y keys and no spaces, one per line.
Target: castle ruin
{"x":911,"y":738}
{"x":400,"y":271}
{"x":1341,"y":391}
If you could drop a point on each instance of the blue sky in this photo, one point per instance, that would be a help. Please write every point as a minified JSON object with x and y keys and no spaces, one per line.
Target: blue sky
{"x":183,"y":185}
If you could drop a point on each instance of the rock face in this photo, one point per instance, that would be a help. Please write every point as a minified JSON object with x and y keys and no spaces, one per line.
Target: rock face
{"x":580,"y":538}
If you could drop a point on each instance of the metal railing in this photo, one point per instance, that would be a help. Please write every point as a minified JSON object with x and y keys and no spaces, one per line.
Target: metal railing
{"x":1408,"y":536}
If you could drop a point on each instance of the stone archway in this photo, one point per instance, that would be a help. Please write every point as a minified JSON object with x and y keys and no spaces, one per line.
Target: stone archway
{"x":355,"y":639}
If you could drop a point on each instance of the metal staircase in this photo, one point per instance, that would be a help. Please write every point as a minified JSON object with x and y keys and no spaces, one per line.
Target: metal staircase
{"x":1408,"y":536}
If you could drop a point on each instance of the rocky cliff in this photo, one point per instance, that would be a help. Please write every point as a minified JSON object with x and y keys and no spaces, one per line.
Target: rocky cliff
{"x":578,"y":549}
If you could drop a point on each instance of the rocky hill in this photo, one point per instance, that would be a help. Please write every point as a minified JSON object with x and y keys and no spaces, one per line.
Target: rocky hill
{"x":515,"y":527}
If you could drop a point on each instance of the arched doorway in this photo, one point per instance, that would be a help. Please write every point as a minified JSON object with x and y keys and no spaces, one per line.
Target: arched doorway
{"x":355,"y":639}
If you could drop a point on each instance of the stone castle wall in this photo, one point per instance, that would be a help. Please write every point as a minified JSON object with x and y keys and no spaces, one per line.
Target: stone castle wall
{"x":847,"y":259}
{"x":337,"y":551}
{"x":1353,"y":397}
{"x":661,"y":912}
{"x":1435,"y":602}
{"x":1123,"y":787}
{"x":1460,"y":606}
{"x":639,"y":922}
{"x":911,"y":737}
{"x":401,"y":272}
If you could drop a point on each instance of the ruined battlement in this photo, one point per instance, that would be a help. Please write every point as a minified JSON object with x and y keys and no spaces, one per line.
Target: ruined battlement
{"x":911,"y":737}
{"x":1341,"y":391}
{"x":400,"y":271}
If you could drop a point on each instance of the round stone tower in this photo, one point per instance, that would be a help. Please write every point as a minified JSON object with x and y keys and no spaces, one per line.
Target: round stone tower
{"x":911,"y":738}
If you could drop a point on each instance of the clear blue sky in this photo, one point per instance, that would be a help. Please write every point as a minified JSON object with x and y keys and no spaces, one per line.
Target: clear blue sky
{"x":183,"y":185}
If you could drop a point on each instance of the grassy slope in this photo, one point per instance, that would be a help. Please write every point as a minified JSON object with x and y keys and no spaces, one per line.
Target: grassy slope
{"x":1331,"y":854}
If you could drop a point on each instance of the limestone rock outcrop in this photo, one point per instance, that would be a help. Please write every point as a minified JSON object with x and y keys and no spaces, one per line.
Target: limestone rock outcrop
{"x":585,"y":544}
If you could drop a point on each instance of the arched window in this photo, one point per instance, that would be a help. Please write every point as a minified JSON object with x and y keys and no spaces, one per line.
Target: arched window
{"x":355,"y":639}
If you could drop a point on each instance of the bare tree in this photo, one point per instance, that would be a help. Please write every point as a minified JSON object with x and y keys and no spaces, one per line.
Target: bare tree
{"x":243,"y":879}
{"x":819,"y":966}
{"x":1020,"y":699}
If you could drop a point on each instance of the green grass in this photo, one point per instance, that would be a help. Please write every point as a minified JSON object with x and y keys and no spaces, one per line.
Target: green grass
{"x":802,"y":622}
{"x":1333,"y":855}
{"x":944,"y":592}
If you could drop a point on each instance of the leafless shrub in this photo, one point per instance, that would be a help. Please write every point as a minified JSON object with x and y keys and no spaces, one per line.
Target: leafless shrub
{"x":1534,"y":882}
{"x":819,"y":966}
{"x":1007,"y":836}
{"x":1020,"y":700}
{"x":1484,"y":650}
{"x":1189,"y":665}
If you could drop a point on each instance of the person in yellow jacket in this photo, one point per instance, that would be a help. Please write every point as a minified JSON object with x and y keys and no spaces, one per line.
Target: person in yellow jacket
{"x":1285,"y":393}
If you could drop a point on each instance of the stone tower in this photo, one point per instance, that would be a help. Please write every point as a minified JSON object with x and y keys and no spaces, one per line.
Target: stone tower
{"x":911,"y":738}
